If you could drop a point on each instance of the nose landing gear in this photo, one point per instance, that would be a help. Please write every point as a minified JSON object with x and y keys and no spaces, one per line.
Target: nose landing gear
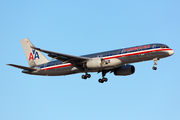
{"x":154,"y":68}
{"x":155,"y":63}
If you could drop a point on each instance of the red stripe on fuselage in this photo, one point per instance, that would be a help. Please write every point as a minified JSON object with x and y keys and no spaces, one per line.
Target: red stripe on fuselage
{"x":54,"y":67}
{"x":111,"y":57}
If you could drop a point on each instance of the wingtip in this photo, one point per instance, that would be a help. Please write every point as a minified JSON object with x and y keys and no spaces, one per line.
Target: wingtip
{"x":35,"y":48}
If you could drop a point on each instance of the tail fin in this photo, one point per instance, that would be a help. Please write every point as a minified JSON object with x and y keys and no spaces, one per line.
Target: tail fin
{"x":33,"y":56}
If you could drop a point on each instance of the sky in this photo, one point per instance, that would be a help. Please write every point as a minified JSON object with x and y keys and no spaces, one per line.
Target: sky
{"x":83,"y":27}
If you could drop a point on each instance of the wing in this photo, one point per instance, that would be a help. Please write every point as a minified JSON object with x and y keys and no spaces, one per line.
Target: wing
{"x":65,"y":58}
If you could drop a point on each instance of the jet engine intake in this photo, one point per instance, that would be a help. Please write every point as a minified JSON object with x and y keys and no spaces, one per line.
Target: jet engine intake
{"x":124,"y":70}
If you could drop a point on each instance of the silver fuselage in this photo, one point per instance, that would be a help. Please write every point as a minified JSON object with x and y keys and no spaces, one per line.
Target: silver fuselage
{"x":117,"y":58}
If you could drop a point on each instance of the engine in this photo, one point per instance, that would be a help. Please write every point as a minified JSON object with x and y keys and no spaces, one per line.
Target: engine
{"x":124,"y":70}
{"x":94,"y":63}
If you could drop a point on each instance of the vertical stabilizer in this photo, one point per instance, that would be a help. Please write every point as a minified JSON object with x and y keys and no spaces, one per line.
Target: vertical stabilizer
{"x":33,"y":56}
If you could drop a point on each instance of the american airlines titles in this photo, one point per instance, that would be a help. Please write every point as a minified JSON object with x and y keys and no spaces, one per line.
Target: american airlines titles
{"x":137,"y":48}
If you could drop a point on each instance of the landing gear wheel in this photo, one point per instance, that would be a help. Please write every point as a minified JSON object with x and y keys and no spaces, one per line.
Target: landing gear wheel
{"x":101,"y":81}
{"x":105,"y":79}
{"x":83,"y":77}
{"x":155,"y":63}
{"x":88,"y":75}
{"x":154,"y":68}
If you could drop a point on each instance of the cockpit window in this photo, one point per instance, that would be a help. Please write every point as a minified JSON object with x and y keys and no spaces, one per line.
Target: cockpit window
{"x":164,"y":46}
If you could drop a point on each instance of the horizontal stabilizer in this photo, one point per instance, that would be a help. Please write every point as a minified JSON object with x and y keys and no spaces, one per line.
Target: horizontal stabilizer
{"x":22,"y":67}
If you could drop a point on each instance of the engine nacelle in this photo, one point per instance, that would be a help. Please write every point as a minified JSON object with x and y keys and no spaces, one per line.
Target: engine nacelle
{"x":124,"y":70}
{"x":94,"y":63}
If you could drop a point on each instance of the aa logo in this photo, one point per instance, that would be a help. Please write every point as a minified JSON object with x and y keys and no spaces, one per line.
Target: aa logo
{"x":33,"y":55}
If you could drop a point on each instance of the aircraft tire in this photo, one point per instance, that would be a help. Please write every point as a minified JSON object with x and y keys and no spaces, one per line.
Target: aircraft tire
{"x":88,"y":75}
{"x":154,"y":68}
{"x":101,"y":81}
{"x":83,"y":77}
{"x":105,"y":79}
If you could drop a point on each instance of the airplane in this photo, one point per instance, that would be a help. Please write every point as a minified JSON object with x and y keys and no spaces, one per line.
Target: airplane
{"x":116,"y":61}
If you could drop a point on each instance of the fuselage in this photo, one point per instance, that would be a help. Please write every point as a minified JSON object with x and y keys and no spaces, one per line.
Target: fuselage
{"x":116,"y":58}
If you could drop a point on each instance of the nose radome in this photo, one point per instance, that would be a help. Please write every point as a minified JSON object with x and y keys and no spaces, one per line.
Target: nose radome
{"x":171,"y":52}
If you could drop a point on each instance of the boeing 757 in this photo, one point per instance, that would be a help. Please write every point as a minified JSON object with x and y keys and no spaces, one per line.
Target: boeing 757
{"x":116,"y":61}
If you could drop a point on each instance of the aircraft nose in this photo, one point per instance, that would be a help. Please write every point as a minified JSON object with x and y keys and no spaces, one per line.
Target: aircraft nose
{"x":171,"y":52}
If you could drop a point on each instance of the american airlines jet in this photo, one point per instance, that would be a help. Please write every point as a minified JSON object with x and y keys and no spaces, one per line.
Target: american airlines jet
{"x":116,"y":61}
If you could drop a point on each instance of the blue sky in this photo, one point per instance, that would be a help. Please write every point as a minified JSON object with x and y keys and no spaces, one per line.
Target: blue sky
{"x":83,"y":27}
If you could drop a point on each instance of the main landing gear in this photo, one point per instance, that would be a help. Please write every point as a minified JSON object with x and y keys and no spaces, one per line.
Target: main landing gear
{"x":86,"y":76}
{"x":103,"y":78}
{"x":155,"y":63}
{"x":100,"y":80}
